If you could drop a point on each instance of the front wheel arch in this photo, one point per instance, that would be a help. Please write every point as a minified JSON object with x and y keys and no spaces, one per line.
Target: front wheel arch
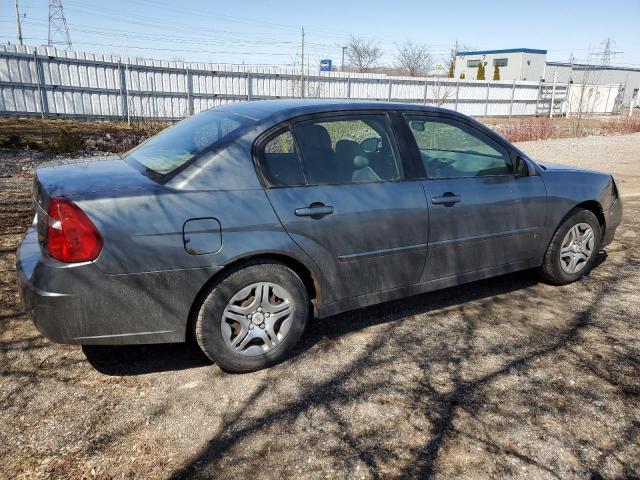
{"x":594,"y":207}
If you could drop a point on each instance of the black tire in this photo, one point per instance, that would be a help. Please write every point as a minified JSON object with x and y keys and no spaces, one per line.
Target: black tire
{"x":208,"y":323}
{"x":551,"y":269}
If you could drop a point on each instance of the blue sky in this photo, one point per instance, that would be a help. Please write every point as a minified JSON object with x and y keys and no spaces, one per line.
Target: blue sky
{"x":263,"y":32}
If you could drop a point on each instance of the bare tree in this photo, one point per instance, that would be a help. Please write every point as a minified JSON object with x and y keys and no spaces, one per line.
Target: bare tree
{"x":451,"y":61}
{"x":414,"y":57}
{"x":363,"y":54}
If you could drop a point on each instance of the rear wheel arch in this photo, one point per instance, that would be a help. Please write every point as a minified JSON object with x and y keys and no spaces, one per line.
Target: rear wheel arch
{"x":308,"y":277}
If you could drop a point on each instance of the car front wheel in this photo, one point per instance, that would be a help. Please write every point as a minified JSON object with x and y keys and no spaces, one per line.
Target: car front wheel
{"x":573,"y":248}
{"x":253,"y":317}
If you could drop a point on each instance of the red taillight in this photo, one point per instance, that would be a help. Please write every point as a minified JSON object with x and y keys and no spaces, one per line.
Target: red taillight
{"x":71,"y":236}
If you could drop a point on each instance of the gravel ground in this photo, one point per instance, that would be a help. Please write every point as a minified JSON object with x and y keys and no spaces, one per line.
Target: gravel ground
{"x":619,"y":155}
{"x":507,"y":377}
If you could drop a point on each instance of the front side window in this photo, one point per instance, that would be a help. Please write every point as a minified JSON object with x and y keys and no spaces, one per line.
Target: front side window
{"x":348,"y":149}
{"x":473,"y":63}
{"x":450,"y":149}
{"x":501,"y":62}
{"x":174,"y":147}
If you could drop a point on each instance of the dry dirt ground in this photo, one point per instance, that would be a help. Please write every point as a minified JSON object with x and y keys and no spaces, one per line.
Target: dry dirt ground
{"x":507,"y":377}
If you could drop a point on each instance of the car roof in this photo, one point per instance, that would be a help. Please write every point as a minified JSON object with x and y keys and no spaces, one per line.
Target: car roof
{"x":261,"y":109}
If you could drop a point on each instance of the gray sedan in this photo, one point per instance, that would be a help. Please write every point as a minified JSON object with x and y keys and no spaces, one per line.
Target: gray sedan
{"x":236,"y":225}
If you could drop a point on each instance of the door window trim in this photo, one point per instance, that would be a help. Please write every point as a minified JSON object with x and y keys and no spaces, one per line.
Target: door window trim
{"x":267,"y":135}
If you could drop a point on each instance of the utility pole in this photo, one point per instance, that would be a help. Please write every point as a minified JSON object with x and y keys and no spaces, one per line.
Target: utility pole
{"x":19,"y":27}
{"x":302,"y":65}
{"x":58,"y":30}
{"x":342,"y":65}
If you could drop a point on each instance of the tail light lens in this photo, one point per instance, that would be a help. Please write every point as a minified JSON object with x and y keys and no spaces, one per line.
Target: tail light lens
{"x":71,"y":236}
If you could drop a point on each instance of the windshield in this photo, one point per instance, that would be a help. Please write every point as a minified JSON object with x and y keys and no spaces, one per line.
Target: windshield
{"x":175,"y":146}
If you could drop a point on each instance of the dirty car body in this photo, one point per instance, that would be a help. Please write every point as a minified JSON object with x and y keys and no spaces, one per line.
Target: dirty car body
{"x":381,"y":230}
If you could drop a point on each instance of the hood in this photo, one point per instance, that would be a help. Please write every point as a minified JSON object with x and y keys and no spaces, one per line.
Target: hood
{"x":556,"y":167}
{"x":90,"y":176}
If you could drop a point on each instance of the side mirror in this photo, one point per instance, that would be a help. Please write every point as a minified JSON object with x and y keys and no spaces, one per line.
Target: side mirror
{"x":522,"y":167}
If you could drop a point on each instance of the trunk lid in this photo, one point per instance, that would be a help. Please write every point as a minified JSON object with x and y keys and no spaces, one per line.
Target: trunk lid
{"x":82,"y":177}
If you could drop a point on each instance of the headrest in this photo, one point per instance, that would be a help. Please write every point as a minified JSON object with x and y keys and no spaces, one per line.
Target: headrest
{"x":348,"y":149}
{"x":360,"y":161}
{"x":312,"y":135}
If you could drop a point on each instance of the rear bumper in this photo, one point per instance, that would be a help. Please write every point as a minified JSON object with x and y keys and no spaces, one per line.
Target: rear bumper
{"x":612,"y":218}
{"x":77,"y":303}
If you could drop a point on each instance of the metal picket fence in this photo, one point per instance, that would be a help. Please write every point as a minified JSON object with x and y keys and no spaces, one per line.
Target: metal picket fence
{"x":42,"y":81}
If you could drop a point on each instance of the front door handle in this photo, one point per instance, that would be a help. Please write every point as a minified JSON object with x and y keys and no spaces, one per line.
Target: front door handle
{"x":447,"y":199}
{"x":315,"y":210}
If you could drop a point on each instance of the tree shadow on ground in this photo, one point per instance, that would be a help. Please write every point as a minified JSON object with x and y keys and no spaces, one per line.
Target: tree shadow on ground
{"x":472,"y":373}
{"x":128,"y":360}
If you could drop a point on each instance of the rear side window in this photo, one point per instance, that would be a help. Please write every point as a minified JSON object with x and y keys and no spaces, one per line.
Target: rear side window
{"x":450,"y":149}
{"x":280,"y":160}
{"x":348,"y":149}
{"x":174,"y":147}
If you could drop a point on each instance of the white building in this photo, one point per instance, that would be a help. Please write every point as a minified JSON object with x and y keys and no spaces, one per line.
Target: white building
{"x":530,"y":64}
{"x":514,"y":63}
{"x":599,"y":75}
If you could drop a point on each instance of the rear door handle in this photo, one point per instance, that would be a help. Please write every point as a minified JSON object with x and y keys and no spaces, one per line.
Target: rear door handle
{"x":314,"y":210}
{"x":447,"y":199}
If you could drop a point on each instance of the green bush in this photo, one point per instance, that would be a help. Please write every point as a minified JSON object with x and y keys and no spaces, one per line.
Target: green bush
{"x":480,"y":74}
{"x":496,"y":72}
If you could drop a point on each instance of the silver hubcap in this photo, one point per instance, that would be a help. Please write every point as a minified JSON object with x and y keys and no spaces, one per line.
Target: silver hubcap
{"x":257,"y":318}
{"x":577,"y":248}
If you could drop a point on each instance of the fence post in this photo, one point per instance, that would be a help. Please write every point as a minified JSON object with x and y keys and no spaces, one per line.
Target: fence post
{"x":513,"y":91}
{"x":457,"y":93}
{"x":124,"y":94}
{"x":349,"y":86}
{"x":426,"y":86}
{"x":486,"y":102}
{"x":249,"y":86}
{"x":389,"y":95}
{"x":44,"y":104}
{"x":553,"y":94}
{"x":190,"y":92}
{"x":538,"y":96}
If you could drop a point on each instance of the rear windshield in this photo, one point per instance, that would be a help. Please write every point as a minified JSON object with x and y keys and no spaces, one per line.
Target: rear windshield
{"x":174,"y":147}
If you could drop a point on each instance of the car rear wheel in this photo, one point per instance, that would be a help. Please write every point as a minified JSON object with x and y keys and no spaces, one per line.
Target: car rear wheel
{"x":573,"y":248}
{"x":253,"y":317}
